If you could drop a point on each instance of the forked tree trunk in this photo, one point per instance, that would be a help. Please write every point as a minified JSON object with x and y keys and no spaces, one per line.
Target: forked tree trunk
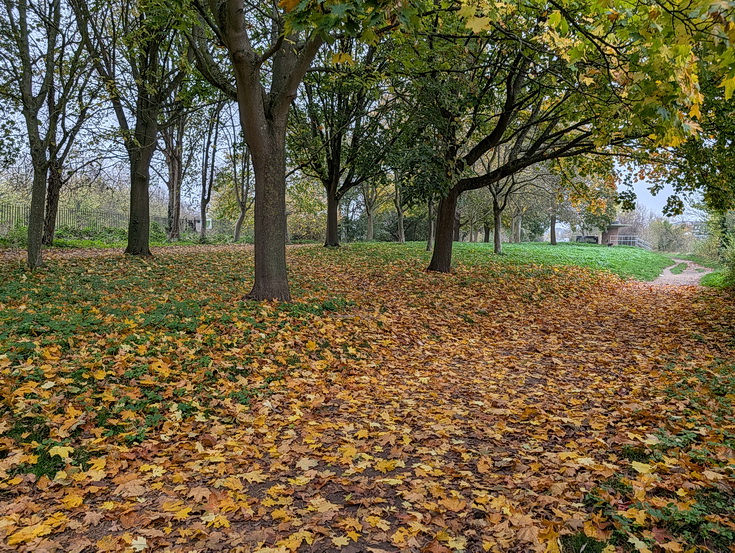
{"x":552,"y":230}
{"x":332,"y":237}
{"x":441,"y":260}
{"x":52,"y":202}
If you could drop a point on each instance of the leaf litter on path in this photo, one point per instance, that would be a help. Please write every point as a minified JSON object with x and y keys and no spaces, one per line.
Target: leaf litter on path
{"x":494,"y":409}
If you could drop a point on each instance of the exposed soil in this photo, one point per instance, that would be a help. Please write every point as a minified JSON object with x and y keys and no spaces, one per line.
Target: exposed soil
{"x":689,"y":277}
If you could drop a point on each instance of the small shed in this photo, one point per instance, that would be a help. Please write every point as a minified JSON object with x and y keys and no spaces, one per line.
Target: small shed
{"x":611,"y":233}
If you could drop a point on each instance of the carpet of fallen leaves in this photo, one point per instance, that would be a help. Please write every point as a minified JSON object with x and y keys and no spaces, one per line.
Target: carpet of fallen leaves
{"x":147,"y":407}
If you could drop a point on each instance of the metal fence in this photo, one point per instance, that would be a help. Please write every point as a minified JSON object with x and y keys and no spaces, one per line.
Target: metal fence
{"x":12,"y":216}
{"x":638,"y":242}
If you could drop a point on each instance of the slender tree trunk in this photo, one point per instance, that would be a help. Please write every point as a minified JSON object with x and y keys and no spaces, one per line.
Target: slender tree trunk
{"x":401,"y":230}
{"x":432,"y":227}
{"x":52,"y":202}
{"x":486,"y":228}
{"x":441,"y":260}
{"x":35,"y":221}
{"x":457,"y":234}
{"x":517,"y":223}
{"x":238,"y":224}
{"x":497,"y":223}
{"x":174,"y":197}
{"x":269,"y":162}
{"x":552,"y":230}
{"x":332,"y":237}
{"x":370,"y":223}
{"x":140,"y":153}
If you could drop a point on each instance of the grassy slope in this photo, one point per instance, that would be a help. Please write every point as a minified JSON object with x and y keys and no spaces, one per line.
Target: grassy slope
{"x":623,"y":261}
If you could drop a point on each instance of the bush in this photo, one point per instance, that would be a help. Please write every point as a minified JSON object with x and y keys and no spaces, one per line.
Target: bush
{"x":16,"y":237}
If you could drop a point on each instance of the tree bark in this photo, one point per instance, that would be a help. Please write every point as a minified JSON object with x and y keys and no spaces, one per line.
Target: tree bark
{"x":238,"y":225}
{"x":457,"y":235}
{"x":486,"y":228}
{"x":35,"y":220}
{"x":332,"y":237}
{"x":370,"y":226}
{"x":497,"y":223}
{"x":432,"y":227}
{"x":441,"y":260}
{"x":269,"y":162}
{"x":139,"y":225}
{"x":52,"y":202}
{"x":552,"y":230}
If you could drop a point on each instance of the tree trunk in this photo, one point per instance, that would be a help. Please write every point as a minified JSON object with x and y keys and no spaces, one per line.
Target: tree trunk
{"x":486,"y":228}
{"x":441,"y":260}
{"x":401,"y":230}
{"x":457,"y":235}
{"x":517,"y":223}
{"x":52,"y":202}
{"x":369,"y":232}
{"x":238,"y":225}
{"x":432,"y":227}
{"x":552,"y":230}
{"x":497,"y":223}
{"x":140,"y":153}
{"x":35,"y":220}
{"x":174,"y":198}
{"x":269,"y":162}
{"x":332,"y":237}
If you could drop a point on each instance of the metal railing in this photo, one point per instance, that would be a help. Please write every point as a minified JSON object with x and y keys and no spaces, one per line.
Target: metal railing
{"x":635,"y":241}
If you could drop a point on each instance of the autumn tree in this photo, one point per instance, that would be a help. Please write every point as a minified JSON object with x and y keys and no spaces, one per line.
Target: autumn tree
{"x":133,"y":45}
{"x":270,"y":49}
{"x":338,"y":132}
{"x":45,"y":73}
{"x":546,"y":85}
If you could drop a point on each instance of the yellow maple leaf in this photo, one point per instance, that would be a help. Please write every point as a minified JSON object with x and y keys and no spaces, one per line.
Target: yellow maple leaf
{"x":72,"y":500}
{"x":341,"y":541}
{"x":29,"y":533}
{"x":62,"y":451}
{"x":642,"y":468}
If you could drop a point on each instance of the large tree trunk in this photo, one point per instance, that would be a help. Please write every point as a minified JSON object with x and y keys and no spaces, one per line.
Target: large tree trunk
{"x":552,"y":230}
{"x":432,"y":227}
{"x":269,"y":162}
{"x":457,"y":234}
{"x":497,"y":224}
{"x":52,"y":202}
{"x":140,"y":153}
{"x":332,"y":237}
{"x":441,"y":260}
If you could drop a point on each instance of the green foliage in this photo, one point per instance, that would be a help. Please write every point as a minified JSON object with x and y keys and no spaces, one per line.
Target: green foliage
{"x":679,"y":268}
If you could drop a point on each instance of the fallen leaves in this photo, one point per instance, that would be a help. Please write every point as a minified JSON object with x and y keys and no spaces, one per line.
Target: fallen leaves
{"x":475,"y":411}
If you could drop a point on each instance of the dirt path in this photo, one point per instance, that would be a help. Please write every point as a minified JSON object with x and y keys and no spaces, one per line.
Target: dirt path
{"x":689,"y":277}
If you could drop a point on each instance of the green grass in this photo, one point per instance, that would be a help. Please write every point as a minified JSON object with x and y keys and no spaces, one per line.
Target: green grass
{"x":680,"y":268}
{"x":627,"y":262}
{"x":699,"y":260}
